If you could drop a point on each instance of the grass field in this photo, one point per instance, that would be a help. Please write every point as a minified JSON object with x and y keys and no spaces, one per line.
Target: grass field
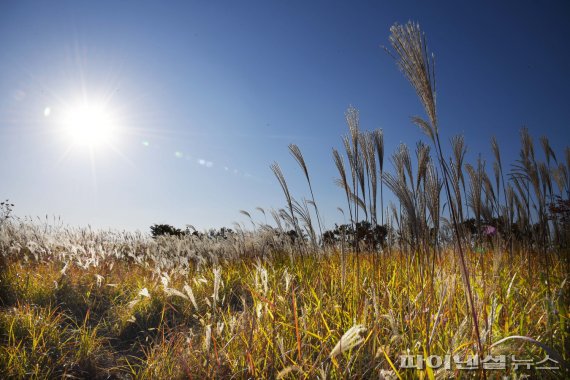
{"x":90,"y":306}
{"x":465,"y":265}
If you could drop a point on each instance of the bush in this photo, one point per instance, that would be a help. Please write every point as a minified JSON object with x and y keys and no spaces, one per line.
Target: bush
{"x":165,"y":229}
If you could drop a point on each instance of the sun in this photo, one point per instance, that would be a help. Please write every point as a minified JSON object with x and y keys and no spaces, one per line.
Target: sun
{"x":90,"y":124}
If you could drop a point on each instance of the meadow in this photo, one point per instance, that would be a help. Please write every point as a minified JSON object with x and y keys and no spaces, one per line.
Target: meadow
{"x":469,"y":263}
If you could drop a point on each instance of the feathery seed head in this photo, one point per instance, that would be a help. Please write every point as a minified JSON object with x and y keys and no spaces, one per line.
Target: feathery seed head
{"x":349,"y":340}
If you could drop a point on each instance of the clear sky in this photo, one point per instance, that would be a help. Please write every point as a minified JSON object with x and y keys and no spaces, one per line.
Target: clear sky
{"x":205,"y":95}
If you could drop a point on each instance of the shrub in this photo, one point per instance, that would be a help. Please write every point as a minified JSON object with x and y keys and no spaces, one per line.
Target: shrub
{"x":165,"y":229}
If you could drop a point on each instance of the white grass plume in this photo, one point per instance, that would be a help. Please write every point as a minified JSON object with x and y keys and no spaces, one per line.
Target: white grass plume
{"x":190,"y":294}
{"x":349,"y":340}
{"x":217,"y":279}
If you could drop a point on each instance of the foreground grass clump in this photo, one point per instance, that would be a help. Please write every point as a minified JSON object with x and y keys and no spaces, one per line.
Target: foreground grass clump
{"x":272,"y":317}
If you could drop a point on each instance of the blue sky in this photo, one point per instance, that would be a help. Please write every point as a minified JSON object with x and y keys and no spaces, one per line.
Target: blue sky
{"x":207,"y":94}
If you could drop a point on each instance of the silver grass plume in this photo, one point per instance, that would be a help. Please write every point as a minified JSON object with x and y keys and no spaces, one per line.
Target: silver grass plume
{"x":339,"y":162}
{"x":296,"y":153}
{"x":352,"y":150}
{"x":370,"y":160}
{"x":510,"y":200}
{"x":455,"y":185}
{"x":413,"y":60}
{"x":475,"y":189}
{"x":350,"y":339}
{"x":360,"y":168}
{"x":433,"y":191}
{"x":545,"y":178}
{"x":422,"y":153}
{"x":424,"y":126}
{"x":561,"y":178}
{"x":352,"y":196}
{"x":277,"y":219}
{"x":497,"y":173}
{"x":302,"y":210}
{"x":407,"y":163}
{"x":281,"y":179}
{"x":496,"y":150}
{"x":499,"y":177}
{"x":548,"y":151}
{"x":527,"y":144}
{"x":406,"y":198}
{"x":379,"y":143}
{"x":411,"y":55}
{"x":488,"y":187}
{"x":459,"y":151}
{"x":490,"y":198}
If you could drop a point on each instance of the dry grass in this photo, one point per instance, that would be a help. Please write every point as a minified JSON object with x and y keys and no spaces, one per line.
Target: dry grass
{"x":257,"y":318}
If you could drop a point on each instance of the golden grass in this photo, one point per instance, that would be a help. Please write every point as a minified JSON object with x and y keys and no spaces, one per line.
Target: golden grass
{"x":263,"y":318}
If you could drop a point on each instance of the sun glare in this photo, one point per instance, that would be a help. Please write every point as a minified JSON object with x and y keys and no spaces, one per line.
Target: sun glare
{"x":90,"y":125}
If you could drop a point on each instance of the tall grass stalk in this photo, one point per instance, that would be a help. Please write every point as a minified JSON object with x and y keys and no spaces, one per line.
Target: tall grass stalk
{"x":412,"y":57}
